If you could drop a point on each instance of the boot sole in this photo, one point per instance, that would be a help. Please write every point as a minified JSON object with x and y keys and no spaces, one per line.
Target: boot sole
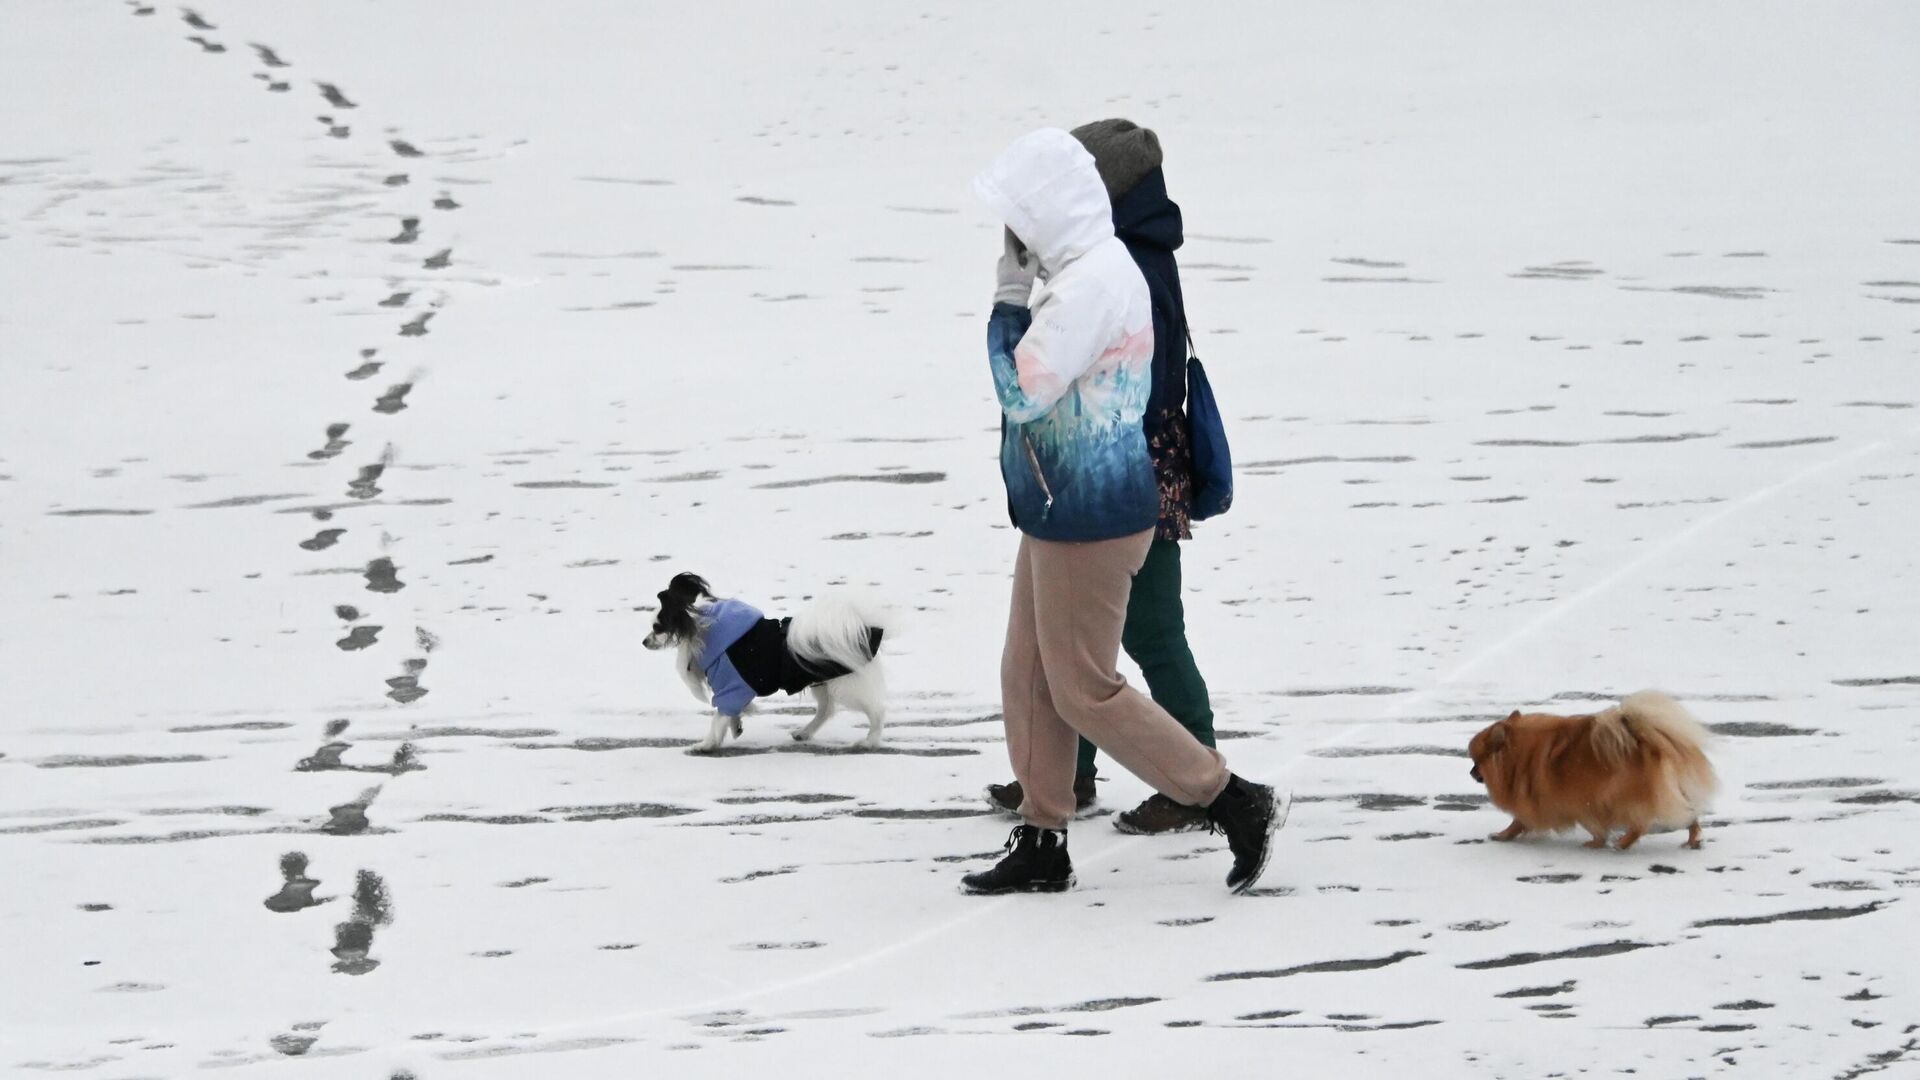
{"x":1282,"y":806}
{"x":1030,"y":887}
{"x":1134,"y":830}
{"x":1013,"y":811}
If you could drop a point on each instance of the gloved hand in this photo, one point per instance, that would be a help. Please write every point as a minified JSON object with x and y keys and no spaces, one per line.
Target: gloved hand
{"x":1016,"y":271}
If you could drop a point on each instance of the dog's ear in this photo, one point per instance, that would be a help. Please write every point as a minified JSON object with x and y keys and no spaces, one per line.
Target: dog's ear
{"x":1497,"y":734}
{"x":686,"y":588}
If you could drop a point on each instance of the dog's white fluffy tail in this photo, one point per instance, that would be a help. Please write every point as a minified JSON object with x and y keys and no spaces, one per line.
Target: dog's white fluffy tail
{"x":834,"y":628}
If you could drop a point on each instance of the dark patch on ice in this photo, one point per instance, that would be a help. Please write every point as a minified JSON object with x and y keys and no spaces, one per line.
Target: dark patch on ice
{"x":372,"y":902}
{"x":334,"y":97}
{"x":61,"y":826}
{"x":1610,"y":948}
{"x":1758,"y":729}
{"x":268,"y":56}
{"x":623,"y":305}
{"x":619,"y":811}
{"x":489,"y":819}
{"x":1387,"y":751}
{"x":205,"y":45}
{"x":241,"y":725}
{"x":404,"y":148}
{"x":1477,"y":925}
{"x":686,"y":477}
{"x":1744,"y":1006}
{"x":1776,"y":444}
{"x":1802,"y":915}
{"x":1540,"y":991}
{"x":864,"y":478}
{"x":394,"y":400}
{"x":439,"y":260}
{"x":1354,"y":691}
{"x":762,"y":200}
{"x":1879,"y":798}
{"x":335,"y":443}
{"x":931,"y":814}
{"x":98,"y":512}
{"x":1387,"y":802}
{"x":114,"y":761}
{"x":1409,"y":836}
{"x":242,"y":500}
{"x":382,"y":577}
{"x":296,"y":890}
{"x":1548,"y":879}
{"x":600,"y":743}
{"x":755,"y":875}
{"x":350,"y":818}
{"x":207,"y":811}
{"x":291,"y":1045}
{"x":1322,"y":967}
{"x":754,"y":800}
{"x":352,"y":944}
{"x":1196,"y":920}
{"x":1808,"y":785}
{"x":417,"y":326}
{"x":324,"y":759}
{"x":405,"y":688}
{"x":359,"y":638}
{"x":447,"y":731}
{"x":366,"y":370}
{"x":1882,"y":680}
{"x":547,"y":485}
{"x":471,"y":562}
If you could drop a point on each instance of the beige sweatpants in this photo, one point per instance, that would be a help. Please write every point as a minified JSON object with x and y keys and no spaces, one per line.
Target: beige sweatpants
{"x":1058,"y":681}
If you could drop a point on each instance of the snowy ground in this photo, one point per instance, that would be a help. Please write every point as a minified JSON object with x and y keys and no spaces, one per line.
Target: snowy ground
{"x":365,"y":365}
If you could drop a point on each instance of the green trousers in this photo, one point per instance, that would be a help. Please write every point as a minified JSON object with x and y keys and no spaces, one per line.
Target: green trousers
{"x":1156,"y":638}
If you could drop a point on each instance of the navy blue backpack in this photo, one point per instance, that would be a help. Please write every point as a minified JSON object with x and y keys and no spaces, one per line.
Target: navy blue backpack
{"x":1212,"y":461}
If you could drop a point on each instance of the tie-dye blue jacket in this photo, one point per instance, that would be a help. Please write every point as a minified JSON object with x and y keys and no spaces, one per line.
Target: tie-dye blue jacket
{"x":1072,"y":370}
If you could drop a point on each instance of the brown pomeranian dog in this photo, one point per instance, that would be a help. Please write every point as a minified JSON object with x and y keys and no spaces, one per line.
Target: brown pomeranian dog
{"x":1635,"y":766}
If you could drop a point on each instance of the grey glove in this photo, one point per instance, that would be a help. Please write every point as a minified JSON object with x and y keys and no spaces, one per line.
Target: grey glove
{"x":1015,"y":271}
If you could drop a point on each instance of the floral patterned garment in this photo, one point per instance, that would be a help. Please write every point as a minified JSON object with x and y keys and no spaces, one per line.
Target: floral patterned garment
{"x":1172,"y":453}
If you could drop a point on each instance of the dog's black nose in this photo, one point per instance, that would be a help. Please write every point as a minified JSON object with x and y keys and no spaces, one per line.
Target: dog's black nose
{"x":1475,"y":773}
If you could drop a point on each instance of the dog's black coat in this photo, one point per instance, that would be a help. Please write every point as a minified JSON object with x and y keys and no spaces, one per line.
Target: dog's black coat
{"x":764,"y":661}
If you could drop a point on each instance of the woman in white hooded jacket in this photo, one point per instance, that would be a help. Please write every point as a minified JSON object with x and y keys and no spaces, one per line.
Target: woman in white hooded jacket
{"x":1071,"y":367}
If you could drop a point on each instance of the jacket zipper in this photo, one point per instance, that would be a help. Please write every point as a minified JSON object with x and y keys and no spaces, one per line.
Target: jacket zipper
{"x":1033,"y":461}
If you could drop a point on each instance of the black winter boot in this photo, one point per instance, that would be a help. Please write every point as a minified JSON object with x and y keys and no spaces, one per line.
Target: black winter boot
{"x":1248,"y":814}
{"x":1036,"y":862}
{"x":1006,"y":797}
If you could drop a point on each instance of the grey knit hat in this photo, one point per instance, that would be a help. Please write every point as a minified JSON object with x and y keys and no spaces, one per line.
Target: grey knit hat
{"x":1122,"y":150}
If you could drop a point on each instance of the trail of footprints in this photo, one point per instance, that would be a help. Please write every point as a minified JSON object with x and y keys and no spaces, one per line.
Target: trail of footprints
{"x":371,"y":905}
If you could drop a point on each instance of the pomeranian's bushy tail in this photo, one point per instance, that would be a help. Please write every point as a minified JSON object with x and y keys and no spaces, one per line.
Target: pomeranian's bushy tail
{"x":834,"y":628}
{"x":1656,"y":722}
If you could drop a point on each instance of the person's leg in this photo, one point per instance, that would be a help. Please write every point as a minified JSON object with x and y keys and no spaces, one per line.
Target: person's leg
{"x":1039,"y":743}
{"x":1156,"y":639}
{"x":1080,"y":594}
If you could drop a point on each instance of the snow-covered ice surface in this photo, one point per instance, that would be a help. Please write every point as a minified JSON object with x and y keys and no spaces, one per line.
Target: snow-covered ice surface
{"x":365,"y":366}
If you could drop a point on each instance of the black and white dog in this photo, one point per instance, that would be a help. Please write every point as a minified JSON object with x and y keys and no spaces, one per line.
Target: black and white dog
{"x":730,"y":653}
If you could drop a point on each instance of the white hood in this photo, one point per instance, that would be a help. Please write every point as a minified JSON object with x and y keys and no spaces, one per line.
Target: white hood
{"x":1046,"y":189}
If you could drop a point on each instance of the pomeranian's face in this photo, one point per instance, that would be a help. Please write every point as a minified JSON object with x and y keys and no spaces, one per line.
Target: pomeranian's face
{"x":1484,"y":746}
